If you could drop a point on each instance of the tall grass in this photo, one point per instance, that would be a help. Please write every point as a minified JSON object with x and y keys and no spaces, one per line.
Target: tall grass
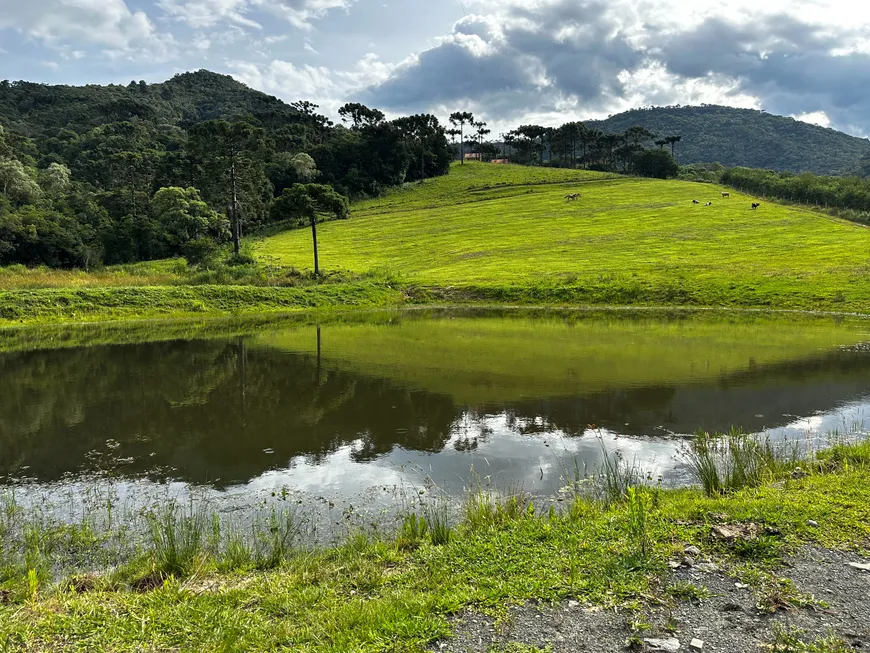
{"x":438,"y":520}
{"x":177,"y":539}
{"x":412,"y":531}
{"x":638,"y":517}
{"x":616,"y":476}
{"x":276,"y":537}
{"x":488,"y":510}
{"x":723,"y":463}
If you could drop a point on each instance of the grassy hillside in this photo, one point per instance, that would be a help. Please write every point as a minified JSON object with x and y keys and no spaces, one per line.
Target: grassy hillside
{"x":745,"y":137}
{"x":475,"y":360}
{"x":507,"y":234}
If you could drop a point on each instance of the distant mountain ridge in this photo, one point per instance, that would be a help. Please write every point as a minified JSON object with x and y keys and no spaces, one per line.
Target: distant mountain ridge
{"x":745,"y":137}
{"x":733,"y":137}
{"x":32,"y":108}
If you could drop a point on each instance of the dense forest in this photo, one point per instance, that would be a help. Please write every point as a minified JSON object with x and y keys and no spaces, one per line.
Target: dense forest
{"x":109,"y":174}
{"x":746,"y":137}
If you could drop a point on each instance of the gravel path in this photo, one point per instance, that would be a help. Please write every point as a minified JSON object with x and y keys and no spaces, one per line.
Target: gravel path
{"x":729,"y":621}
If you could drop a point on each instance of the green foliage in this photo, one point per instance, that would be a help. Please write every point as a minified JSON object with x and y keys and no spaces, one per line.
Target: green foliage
{"x":656,"y":163}
{"x":687,"y":591}
{"x":303,"y":202}
{"x":841,"y":192}
{"x":184,"y":219}
{"x":86,"y":163}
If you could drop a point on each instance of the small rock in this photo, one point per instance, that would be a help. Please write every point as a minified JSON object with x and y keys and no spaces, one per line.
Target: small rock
{"x":669,"y":644}
{"x":732,"y":607}
{"x":859,"y":565}
{"x":692,"y":551}
{"x":813,"y":523}
{"x":696,"y":644}
{"x":673,"y":564}
{"x":731,"y":532}
{"x":573,"y":604}
{"x":707,"y":567}
{"x":741,"y":586}
{"x":687,"y":561}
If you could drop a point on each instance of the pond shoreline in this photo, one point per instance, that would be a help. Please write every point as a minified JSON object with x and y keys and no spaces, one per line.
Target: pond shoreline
{"x":27,"y":307}
{"x":645,"y":551}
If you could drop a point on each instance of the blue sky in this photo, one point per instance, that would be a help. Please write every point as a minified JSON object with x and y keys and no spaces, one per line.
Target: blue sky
{"x":509,"y":61}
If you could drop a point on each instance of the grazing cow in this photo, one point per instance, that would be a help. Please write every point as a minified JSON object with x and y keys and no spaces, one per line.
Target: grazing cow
{"x":573,"y":197}
{"x":755,"y":205}
{"x":695,"y":202}
{"x":726,"y":194}
{"x":709,"y":204}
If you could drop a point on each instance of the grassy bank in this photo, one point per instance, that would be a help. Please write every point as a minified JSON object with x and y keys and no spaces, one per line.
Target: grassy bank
{"x":127,"y":303}
{"x":196,"y":585}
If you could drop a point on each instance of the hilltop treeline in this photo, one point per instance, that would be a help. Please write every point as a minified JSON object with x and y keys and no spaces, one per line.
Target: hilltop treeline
{"x":571,"y":145}
{"x":96,"y":174}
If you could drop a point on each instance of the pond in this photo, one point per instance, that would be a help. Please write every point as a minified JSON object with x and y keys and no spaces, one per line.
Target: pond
{"x":364,"y":411}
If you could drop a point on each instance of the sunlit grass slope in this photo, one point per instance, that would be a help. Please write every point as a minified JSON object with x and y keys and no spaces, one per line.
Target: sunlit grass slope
{"x":509,"y":234}
{"x":476,"y":360}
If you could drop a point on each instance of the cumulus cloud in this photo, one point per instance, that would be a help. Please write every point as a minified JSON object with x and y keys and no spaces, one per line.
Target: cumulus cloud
{"x":592,"y":57}
{"x":330,"y":89}
{"x":109,"y":24}
{"x":524,"y":58}
{"x":207,"y":13}
{"x":794,"y":67}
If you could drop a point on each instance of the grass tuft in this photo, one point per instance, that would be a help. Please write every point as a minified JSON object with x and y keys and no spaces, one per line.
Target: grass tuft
{"x":177,"y":540}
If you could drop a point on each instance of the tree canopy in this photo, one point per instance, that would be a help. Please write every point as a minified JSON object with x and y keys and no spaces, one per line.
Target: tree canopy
{"x":109,"y":174}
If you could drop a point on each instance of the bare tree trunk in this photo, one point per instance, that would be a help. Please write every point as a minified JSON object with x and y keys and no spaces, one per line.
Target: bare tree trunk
{"x":234,"y":211}
{"x":318,"y":354}
{"x":461,"y":138}
{"x":314,"y":238}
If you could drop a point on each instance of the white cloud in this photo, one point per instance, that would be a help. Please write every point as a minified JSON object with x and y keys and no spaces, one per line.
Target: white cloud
{"x":207,"y":13}
{"x":108,"y":23}
{"x":552,"y":60}
{"x":330,"y":89}
{"x":284,"y":79}
{"x":819,"y":118}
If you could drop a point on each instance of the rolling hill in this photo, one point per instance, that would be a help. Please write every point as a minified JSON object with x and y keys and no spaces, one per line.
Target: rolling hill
{"x":746,"y":137}
{"x":733,"y":137}
{"x":507,"y":233}
{"x":32,"y":108}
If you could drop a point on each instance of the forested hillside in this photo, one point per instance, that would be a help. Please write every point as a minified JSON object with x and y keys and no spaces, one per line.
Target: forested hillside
{"x":110,"y":174}
{"x":746,"y":137}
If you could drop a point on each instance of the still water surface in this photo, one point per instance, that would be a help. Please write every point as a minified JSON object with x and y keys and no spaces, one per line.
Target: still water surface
{"x":349,"y":410}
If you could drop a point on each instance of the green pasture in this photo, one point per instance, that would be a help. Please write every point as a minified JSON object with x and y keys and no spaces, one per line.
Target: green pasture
{"x":507,"y":233}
